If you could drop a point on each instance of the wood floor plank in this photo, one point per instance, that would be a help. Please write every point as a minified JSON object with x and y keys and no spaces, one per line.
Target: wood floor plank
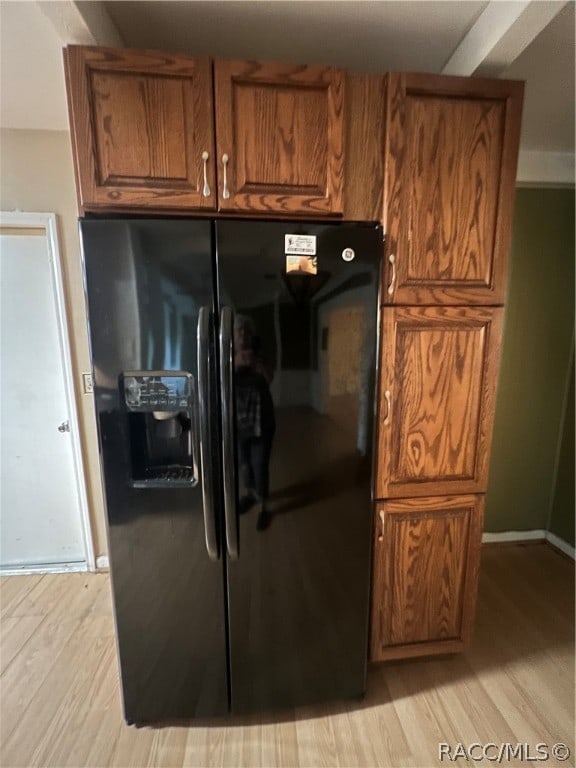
{"x":215,"y":739}
{"x":382,"y":723}
{"x":48,"y":591}
{"x":453,"y":702}
{"x":522,"y":708}
{"x":285,"y":746}
{"x":315,"y":737}
{"x":61,"y":707}
{"x":351,"y":747}
{"x":266,"y":737}
{"x":13,"y":589}
{"x":133,"y":748}
{"x":243,"y":746}
{"x":466,"y":702}
{"x":527,"y":665}
{"x":417,"y":709}
{"x":26,"y":674}
{"x":530,"y":591}
{"x":50,"y":595}
{"x":86,"y":701}
{"x":169,"y":748}
{"x":96,"y":747}
{"x":76,"y":651}
{"x":16,"y":631}
{"x":196,"y":747}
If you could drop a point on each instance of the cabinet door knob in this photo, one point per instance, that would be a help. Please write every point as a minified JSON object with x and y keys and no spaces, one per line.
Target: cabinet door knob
{"x":381,"y":534}
{"x":206,"y":188}
{"x":392,"y":284}
{"x":225,"y":190}
{"x":388,"y":398}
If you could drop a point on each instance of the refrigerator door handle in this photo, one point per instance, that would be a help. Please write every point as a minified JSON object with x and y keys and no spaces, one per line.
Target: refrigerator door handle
{"x":203,"y":341}
{"x":228,"y":468}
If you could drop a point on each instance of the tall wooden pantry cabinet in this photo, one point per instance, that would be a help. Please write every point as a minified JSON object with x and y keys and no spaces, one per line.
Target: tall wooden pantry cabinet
{"x":450,"y":168}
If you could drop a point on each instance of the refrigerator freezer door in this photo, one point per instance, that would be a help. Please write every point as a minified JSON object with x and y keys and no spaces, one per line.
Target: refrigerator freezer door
{"x":146,"y":282}
{"x":304,"y":299}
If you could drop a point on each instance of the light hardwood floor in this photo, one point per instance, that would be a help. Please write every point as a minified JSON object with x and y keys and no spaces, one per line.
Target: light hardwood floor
{"x":60,"y":700}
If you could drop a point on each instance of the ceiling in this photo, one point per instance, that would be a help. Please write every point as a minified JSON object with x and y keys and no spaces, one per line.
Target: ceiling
{"x":368,"y":36}
{"x":547,"y":66}
{"x":373,"y":36}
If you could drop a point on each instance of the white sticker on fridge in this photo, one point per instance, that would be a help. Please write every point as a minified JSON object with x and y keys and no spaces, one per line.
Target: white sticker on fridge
{"x":300,"y":245}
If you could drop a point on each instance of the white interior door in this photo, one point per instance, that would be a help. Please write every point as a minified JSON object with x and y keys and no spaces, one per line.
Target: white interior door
{"x":43,"y":505}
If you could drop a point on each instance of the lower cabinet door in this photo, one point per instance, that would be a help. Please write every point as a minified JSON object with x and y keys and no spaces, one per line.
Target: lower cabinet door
{"x":438,"y":375}
{"x":425,"y":575}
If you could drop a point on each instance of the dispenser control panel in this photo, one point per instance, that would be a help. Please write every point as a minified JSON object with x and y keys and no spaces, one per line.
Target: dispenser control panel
{"x":157,"y":390}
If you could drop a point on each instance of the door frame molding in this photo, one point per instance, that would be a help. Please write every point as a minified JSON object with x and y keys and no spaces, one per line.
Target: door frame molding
{"x":47,"y":221}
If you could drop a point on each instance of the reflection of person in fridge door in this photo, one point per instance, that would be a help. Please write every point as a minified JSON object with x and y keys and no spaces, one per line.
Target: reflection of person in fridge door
{"x":255,"y":423}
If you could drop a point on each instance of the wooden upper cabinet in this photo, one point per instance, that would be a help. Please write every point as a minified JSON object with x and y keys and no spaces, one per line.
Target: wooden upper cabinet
{"x":141,"y":122}
{"x":426,"y":562}
{"x":451,"y":153}
{"x":437,"y":391}
{"x":281,"y":128}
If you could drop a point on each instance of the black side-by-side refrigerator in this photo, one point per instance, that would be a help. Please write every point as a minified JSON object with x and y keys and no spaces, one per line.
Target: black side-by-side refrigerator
{"x":234,"y":369}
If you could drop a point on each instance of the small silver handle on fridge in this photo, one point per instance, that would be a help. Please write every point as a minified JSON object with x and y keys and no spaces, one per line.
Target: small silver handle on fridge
{"x":203,"y":349}
{"x":225,"y":190}
{"x":228,"y":467}
{"x":392,"y":284}
{"x":206,"y":189}
{"x":387,"y":397}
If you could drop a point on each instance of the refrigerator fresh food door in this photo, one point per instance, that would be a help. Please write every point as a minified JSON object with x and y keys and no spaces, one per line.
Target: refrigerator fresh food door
{"x":298,"y":308}
{"x":151,"y":296}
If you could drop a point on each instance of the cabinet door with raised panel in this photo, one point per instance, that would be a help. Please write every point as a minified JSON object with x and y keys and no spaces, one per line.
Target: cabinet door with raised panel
{"x":426,"y":562}
{"x":142,"y":129}
{"x":437,"y":390}
{"x":451,"y":155}
{"x":280,"y":137}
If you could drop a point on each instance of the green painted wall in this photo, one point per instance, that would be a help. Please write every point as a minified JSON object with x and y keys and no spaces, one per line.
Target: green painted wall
{"x":536,"y":360}
{"x":562,"y":517}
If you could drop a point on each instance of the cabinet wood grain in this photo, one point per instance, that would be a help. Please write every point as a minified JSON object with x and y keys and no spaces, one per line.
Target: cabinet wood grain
{"x":426,"y":561}
{"x":140,"y":122}
{"x":364,"y":147}
{"x":281,"y":127}
{"x":438,"y":382}
{"x":451,"y":154}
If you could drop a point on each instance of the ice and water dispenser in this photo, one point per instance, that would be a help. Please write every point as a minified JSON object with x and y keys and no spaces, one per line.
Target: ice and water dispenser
{"x":162,"y":432}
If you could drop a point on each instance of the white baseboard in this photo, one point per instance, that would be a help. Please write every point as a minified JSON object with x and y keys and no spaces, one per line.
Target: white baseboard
{"x":28,"y":570}
{"x":534,"y":535}
{"x":101,"y":565}
{"x":488,"y":538}
{"x":560,"y":544}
